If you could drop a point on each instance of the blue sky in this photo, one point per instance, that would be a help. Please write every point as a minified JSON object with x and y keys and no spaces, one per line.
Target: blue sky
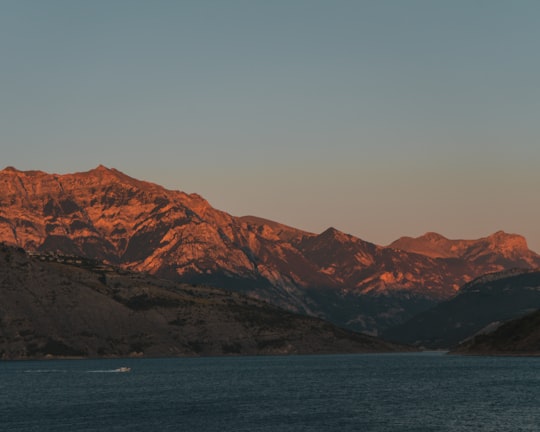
{"x":380,"y":118}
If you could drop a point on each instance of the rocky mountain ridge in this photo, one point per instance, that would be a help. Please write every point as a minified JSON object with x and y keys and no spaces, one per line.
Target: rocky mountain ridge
{"x":62,"y":306}
{"x":498,"y":248}
{"x":141,"y":226}
{"x":480,"y":307}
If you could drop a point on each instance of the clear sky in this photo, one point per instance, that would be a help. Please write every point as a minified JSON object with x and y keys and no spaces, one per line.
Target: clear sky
{"x":380,"y":118}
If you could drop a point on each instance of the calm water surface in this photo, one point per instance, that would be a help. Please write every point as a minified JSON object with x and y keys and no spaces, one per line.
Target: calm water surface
{"x":377,"y":392}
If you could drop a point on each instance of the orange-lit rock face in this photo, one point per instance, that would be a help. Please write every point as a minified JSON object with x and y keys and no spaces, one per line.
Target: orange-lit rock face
{"x":498,"y":250}
{"x":108,"y":215}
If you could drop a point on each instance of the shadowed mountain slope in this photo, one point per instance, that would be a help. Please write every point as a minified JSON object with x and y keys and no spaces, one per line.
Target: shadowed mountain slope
{"x":67,"y":306}
{"x":480,"y":306}
{"x":517,"y":337}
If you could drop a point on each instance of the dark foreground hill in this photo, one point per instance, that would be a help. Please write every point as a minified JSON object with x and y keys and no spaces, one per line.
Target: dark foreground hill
{"x":53,"y":306}
{"x":516,"y":337}
{"x":481,"y":306}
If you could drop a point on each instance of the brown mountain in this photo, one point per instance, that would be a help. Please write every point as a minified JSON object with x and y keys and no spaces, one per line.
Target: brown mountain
{"x":65,"y":306}
{"x":520,"y":337}
{"x":480,"y":306}
{"x":105,"y":214}
{"x":499,"y":250}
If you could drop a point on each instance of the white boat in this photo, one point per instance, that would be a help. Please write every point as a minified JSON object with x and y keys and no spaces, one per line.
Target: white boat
{"x":123,"y":369}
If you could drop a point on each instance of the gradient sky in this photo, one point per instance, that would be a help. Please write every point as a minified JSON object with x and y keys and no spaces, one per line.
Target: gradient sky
{"x":380,"y":118}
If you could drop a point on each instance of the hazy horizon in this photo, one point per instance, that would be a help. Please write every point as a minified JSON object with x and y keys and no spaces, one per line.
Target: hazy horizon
{"x":381,"y":119}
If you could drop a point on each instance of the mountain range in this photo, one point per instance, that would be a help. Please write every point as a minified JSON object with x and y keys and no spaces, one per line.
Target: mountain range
{"x":104,"y":214}
{"x":480,"y":307}
{"x":60,"y":306}
{"x":519,"y":337}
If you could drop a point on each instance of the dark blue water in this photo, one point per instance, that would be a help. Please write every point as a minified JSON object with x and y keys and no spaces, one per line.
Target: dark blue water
{"x":392,"y":392}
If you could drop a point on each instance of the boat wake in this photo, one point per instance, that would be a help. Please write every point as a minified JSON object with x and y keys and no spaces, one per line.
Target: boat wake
{"x":117,"y":370}
{"x":122,"y":369}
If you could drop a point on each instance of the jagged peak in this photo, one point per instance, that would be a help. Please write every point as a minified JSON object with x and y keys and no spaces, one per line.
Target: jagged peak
{"x":109,"y":170}
{"x":431,"y":244}
{"x":332,"y":232}
{"x":102,"y":167}
{"x":429,"y":236}
{"x":433,"y":236}
{"x":105,"y":175}
{"x":259,"y":221}
{"x":502,"y":238}
{"x":335,"y":234}
{"x":503,"y":234}
{"x":10,"y":170}
{"x":112,"y":174}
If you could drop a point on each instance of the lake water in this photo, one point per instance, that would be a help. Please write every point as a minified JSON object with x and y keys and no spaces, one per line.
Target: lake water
{"x":374,"y":392}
